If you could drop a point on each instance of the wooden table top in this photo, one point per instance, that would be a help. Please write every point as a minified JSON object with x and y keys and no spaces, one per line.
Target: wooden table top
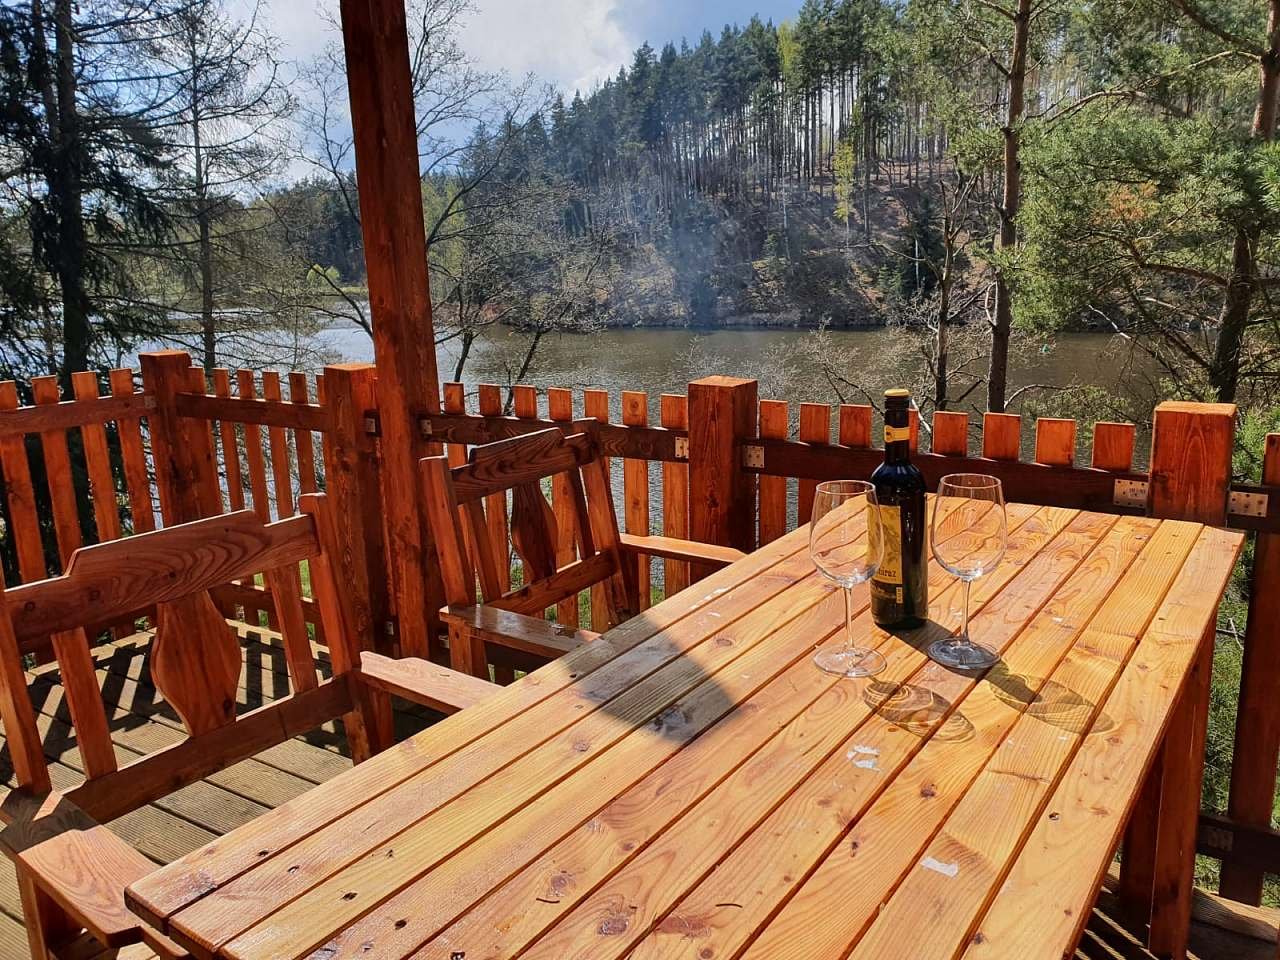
{"x":690,"y":785}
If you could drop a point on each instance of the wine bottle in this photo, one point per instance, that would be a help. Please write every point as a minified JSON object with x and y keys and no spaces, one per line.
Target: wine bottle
{"x":900,"y":588}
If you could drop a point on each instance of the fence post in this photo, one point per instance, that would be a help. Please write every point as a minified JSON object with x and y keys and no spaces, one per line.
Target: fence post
{"x":186,"y":474}
{"x":1257,"y":746}
{"x":351,"y":483}
{"x":1190,"y":479}
{"x":722,"y":412}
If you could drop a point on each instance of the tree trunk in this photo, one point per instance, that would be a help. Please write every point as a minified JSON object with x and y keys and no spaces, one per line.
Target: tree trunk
{"x":64,"y":182}
{"x":1002,"y":325}
{"x":1224,"y":371}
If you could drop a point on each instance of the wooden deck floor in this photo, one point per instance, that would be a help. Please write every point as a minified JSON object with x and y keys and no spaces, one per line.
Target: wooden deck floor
{"x":141,"y":722}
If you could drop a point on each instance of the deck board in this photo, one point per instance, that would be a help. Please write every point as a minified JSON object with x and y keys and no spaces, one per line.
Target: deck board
{"x":140,"y":722}
{"x":194,"y":815}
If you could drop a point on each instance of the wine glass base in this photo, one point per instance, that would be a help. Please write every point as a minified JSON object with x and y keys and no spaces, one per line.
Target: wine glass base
{"x":961,"y":653}
{"x":851,"y":663}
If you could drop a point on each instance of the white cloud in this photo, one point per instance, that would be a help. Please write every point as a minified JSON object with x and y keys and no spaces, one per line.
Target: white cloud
{"x":572,"y":44}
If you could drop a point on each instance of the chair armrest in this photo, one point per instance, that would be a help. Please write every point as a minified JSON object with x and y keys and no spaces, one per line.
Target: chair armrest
{"x":424,"y":682}
{"x":671,"y":548}
{"x":79,"y":864}
{"x":517,"y":631}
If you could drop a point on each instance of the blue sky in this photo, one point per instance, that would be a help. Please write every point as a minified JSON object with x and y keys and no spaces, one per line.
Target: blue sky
{"x":570,"y":43}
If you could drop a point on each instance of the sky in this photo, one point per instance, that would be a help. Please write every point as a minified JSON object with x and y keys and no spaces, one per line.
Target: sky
{"x":572,"y":44}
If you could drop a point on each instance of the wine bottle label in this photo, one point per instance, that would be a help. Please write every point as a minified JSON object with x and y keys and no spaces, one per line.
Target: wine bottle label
{"x":889,"y":531}
{"x":892,"y":434}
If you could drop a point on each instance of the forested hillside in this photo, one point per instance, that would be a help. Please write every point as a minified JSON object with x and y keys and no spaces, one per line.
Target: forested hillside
{"x":980,"y":172}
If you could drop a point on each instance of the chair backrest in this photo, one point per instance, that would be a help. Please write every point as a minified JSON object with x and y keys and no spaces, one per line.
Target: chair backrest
{"x":195,"y":657}
{"x":456,"y":508}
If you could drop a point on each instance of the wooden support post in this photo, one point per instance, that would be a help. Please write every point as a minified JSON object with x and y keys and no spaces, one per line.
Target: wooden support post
{"x":351,"y":482}
{"x":386,"y":147}
{"x":1257,"y":747}
{"x":1191,"y":449}
{"x":1182,"y":767}
{"x":722,"y":413}
{"x":186,"y":475}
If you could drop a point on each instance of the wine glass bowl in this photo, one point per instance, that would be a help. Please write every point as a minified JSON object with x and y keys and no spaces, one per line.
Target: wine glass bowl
{"x":968,"y":534}
{"x":845,"y":546}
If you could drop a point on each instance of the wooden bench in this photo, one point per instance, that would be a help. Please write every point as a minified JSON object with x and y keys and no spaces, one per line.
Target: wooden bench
{"x":560,"y":559}
{"x":71,"y":870}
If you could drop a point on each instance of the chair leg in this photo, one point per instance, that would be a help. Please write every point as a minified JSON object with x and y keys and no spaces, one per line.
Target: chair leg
{"x":49,"y":929}
{"x":1175,"y":859}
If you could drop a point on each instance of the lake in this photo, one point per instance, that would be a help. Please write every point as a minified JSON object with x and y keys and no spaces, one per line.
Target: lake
{"x":664,"y":360}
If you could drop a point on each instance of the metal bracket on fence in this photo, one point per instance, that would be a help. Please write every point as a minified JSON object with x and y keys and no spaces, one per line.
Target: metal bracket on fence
{"x":1244,"y":504}
{"x":682,"y":448}
{"x":371,"y":426}
{"x":753,"y":455}
{"x":424,"y":425}
{"x":1130,"y":493}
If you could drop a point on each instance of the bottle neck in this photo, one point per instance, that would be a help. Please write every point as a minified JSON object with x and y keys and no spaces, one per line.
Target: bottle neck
{"x":897,"y":441}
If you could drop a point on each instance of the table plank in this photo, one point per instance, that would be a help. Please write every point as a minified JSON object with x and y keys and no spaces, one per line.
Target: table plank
{"x":408,"y":919}
{"x":1041,"y":906}
{"x":990,"y":822}
{"x":611,"y":921}
{"x":847,"y":884}
{"x":194,"y":876}
{"x":389,"y":841}
{"x":690,"y":786}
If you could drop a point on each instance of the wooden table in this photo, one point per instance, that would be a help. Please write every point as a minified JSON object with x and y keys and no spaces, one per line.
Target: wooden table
{"x":690,"y":785}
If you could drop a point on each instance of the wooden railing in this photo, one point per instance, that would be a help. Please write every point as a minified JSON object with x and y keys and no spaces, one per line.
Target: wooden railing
{"x":716,"y":464}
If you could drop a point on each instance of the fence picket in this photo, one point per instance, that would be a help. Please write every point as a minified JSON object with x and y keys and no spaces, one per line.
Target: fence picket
{"x":815,"y":427}
{"x":303,"y":445}
{"x":1113,"y":446}
{"x":1001,"y":436}
{"x":674,"y":414}
{"x":595,"y":404}
{"x":229,"y":443}
{"x":775,"y":423}
{"x":635,"y":490}
{"x":951,"y":433}
{"x":495,"y":506}
{"x":855,"y":425}
{"x":133,"y":458}
{"x":58,"y":475}
{"x":278,"y":439}
{"x":560,"y":409}
{"x":24,"y":518}
{"x":1056,"y":442}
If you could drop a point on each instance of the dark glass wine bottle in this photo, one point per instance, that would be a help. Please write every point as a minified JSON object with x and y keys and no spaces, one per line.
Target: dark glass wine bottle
{"x":900,"y":588}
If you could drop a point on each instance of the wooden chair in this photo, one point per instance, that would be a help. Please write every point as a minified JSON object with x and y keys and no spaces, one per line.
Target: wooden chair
{"x":505,"y":630}
{"x":71,"y":871}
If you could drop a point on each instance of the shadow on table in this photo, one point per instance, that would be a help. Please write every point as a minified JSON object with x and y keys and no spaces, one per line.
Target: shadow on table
{"x":923,"y":712}
{"x":666,"y":666}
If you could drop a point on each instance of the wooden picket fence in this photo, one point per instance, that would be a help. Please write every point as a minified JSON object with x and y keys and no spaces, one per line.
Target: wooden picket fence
{"x":716,"y":464}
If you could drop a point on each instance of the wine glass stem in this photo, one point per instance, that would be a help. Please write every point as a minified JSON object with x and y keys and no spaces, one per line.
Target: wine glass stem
{"x":848,"y":618}
{"x":964,"y":627}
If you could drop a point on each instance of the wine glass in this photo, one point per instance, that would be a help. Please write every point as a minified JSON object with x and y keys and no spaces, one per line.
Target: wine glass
{"x":969,"y":533}
{"x":846,"y":547}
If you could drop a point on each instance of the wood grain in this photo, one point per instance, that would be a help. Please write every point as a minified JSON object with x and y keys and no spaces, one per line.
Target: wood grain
{"x":1082,"y":822}
{"x":544,"y":698}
